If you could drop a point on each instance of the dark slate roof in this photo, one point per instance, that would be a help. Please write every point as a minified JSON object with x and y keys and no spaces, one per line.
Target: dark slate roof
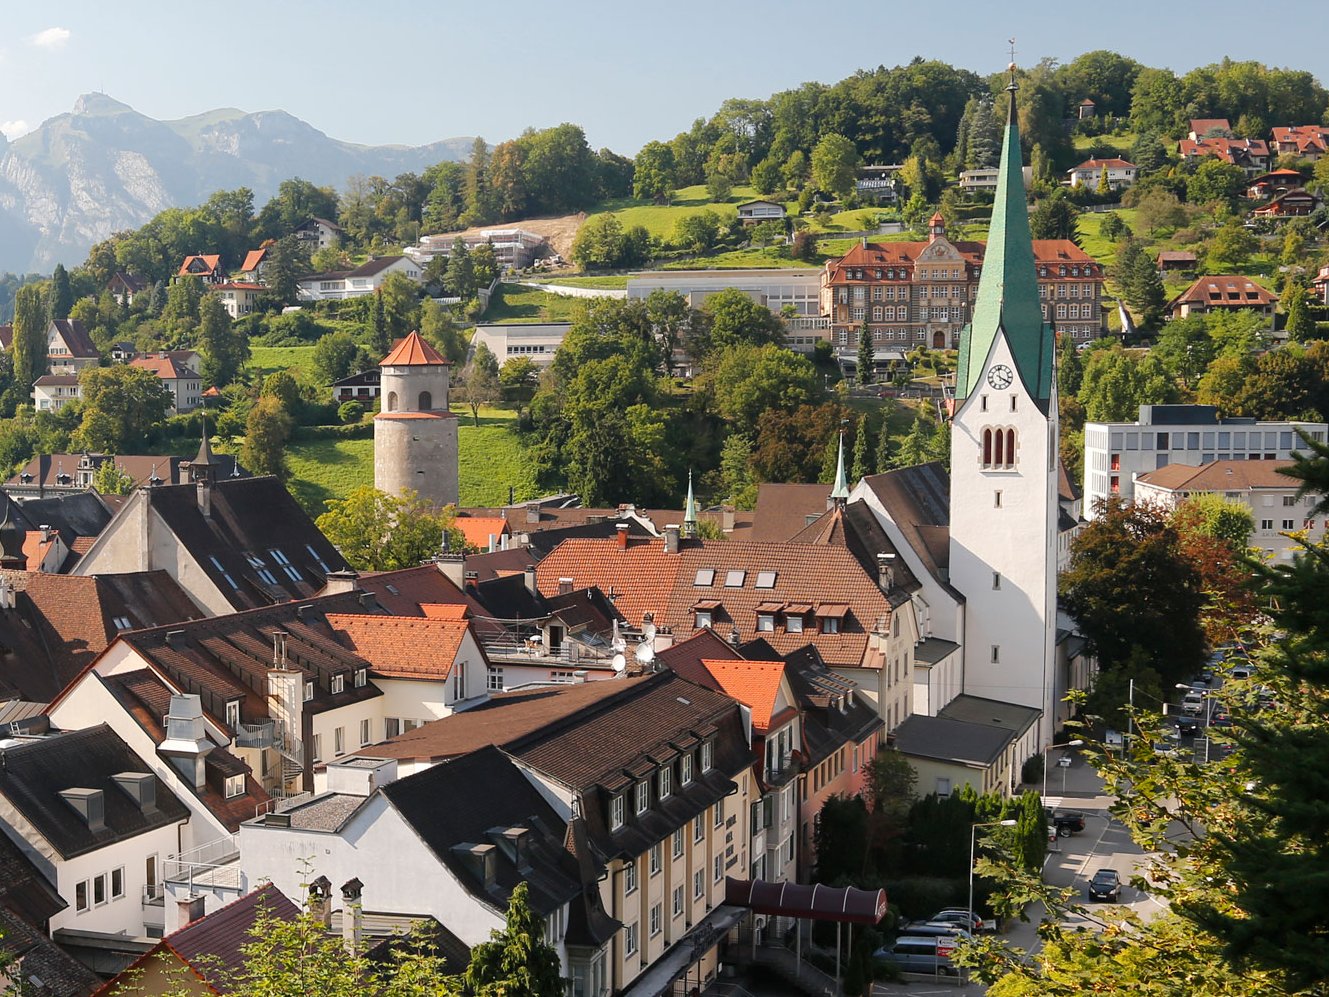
{"x":364,"y":378}
{"x":23,"y":889}
{"x":933,"y":649}
{"x":33,"y":774}
{"x":75,"y":335}
{"x":461,"y":801}
{"x":918,"y":501}
{"x":990,"y":713}
{"x":541,"y":542}
{"x":835,"y":713}
{"x":82,"y":514}
{"x":374,"y":266}
{"x":975,"y":745}
{"x":213,"y":945}
{"x":42,"y":968}
{"x":250,"y":517}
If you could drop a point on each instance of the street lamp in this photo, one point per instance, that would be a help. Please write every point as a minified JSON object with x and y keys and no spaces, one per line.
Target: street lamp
{"x":1069,"y":744}
{"x":973,"y":840}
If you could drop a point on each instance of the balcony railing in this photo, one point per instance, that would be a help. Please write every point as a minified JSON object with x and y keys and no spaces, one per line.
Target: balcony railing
{"x":263,"y":734}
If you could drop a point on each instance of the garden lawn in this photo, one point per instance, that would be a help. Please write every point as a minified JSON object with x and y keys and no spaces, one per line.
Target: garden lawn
{"x":266,"y":359}
{"x":1092,"y":242}
{"x":607,"y":282}
{"x":660,"y":219}
{"x":491,"y":458}
{"x":513,"y":303}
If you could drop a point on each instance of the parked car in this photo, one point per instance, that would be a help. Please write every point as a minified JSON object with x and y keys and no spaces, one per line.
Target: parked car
{"x":937,"y":929}
{"x":1067,"y":822}
{"x":920,"y":954}
{"x":1106,"y":885}
{"x":960,"y":915}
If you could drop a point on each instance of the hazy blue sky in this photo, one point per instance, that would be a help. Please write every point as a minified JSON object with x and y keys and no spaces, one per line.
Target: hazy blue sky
{"x":388,"y":71}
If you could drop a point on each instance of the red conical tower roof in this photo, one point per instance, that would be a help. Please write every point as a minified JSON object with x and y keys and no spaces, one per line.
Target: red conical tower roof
{"x":412,"y":351}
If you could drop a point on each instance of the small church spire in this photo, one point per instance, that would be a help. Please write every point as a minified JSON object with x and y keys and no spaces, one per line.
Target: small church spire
{"x":840,"y":493}
{"x":204,"y":465}
{"x":690,"y":512}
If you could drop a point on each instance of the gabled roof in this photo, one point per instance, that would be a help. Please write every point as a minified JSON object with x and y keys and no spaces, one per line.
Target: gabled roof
{"x":407,"y":647}
{"x":918,"y":500}
{"x":200,"y":264}
{"x":165,"y":368}
{"x":461,"y":802}
{"x":213,"y":946}
{"x":127,"y":281}
{"x":374,"y":266}
{"x":413,"y":351}
{"x":478,"y":529}
{"x":34,"y":773}
{"x":755,"y":684}
{"x":76,"y":338}
{"x":252,"y":260}
{"x":43,"y":469}
{"x":783,"y":509}
{"x":1097,"y":164}
{"x":23,"y":889}
{"x":40,"y":967}
{"x":1227,"y":291}
{"x":739,"y":575}
{"x":250,"y":518}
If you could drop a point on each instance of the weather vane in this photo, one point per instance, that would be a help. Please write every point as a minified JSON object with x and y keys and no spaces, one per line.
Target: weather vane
{"x":1012,"y":41}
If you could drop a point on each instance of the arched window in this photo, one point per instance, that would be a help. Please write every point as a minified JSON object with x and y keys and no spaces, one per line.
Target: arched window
{"x":998,"y":448}
{"x":426,"y":401}
{"x":392,"y":402}
{"x":999,"y":456}
{"x":987,"y":448}
{"x":1010,"y":448}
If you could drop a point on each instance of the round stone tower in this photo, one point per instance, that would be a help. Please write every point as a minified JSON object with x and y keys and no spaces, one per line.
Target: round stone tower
{"x":415,"y":436}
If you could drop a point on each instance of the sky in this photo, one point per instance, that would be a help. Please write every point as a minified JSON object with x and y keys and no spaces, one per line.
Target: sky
{"x":628,"y":72}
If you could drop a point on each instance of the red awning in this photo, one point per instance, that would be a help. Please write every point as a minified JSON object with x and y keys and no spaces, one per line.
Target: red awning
{"x":821,"y":903}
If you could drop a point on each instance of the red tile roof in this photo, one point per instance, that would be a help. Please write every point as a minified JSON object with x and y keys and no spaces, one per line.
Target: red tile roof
{"x":252,"y":260}
{"x":35,"y":548}
{"x":1098,"y":164}
{"x":210,"y":262}
{"x":408,"y":647}
{"x":755,"y":684}
{"x":412,"y":351}
{"x":478,"y":529}
{"x":240,"y":285}
{"x":1222,"y":476}
{"x":165,"y":368}
{"x":642,"y":578}
{"x":876,"y":255}
{"x":1229,"y":291}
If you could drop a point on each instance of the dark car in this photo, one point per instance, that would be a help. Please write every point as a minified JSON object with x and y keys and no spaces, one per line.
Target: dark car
{"x":1067,"y":822}
{"x":1188,"y":726}
{"x":1106,"y":885}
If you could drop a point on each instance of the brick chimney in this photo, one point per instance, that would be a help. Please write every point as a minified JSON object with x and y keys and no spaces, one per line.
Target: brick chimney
{"x":886,"y":571}
{"x":339,"y":582}
{"x":671,"y":539}
{"x":352,"y":915}
{"x":320,"y":900}
{"x":190,"y":908}
{"x":622,"y":534}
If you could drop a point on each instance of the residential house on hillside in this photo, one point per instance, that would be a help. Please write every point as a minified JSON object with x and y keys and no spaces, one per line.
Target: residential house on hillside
{"x":1303,"y":141}
{"x":1320,"y":284}
{"x":1273,"y":183}
{"x":922,"y":293}
{"x":514,"y":248}
{"x":636,"y":810}
{"x":537,"y":342}
{"x":230,"y":543}
{"x":1120,"y":173}
{"x":878,"y":183}
{"x":184,"y":384}
{"x":125,"y":287}
{"x":1229,"y":291}
{"x":362,"y":387}
{"x":752,"y":212}
{"x":52,"y":392}
{"x":318,"y":233}
{"x":239,"y":298}
{"x":207,"y":268}
{"x":1252,"y":155}
{"x":256,"y":261}
{"x":1170,"y":260}
{"x":1276,"y":509}
{"x":69,"y":347}
{"x":336,"y":285}
{"x":1295,"y":203}
{"x":94,"y":819}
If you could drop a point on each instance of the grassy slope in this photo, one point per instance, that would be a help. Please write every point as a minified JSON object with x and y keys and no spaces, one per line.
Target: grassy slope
{"x":490,"y":460}
{"x":660,"y":219}
{"x":266,"y":359}
{"x":526,"y":304}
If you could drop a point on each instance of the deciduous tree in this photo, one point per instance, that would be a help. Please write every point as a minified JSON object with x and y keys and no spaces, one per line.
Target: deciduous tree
{"x":267,"y":429}
{"x":376,"y":531}
{"x":121,"y":406}
{"x":225,"y":350}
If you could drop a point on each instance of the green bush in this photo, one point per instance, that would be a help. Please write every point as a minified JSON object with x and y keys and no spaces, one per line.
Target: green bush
{"x":351,"y":412}
{"x":1032,"y":770}
{"x":355,"y":431}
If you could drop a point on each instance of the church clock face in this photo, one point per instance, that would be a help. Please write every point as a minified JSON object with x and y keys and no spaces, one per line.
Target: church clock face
{"x":1000,"y":377}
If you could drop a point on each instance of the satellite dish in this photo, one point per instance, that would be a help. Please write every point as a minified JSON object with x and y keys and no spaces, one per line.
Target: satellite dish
{"x":647,"y":632}
{"x":645,"y":653}
{"x":620,"y":663}
{"x":618,"y":644}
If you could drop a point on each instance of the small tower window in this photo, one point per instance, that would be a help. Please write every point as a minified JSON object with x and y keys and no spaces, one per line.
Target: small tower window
{"x":427,"y":401}
{"x":392,"y":401}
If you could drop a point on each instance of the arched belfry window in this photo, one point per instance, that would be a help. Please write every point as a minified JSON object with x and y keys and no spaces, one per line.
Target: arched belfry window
{"x":998,"y":449}
{"x":426,"y":401}
{"x":392,"y":401}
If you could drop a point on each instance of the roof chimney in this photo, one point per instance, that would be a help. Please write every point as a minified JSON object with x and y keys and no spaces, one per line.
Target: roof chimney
{"x":479,"y":860}
{"x":320,"y":900}
{"x":671,"y":539}
{"x":279,"y":649}
{"x":532,"y":512}
{"x":352,"y":915}
{"x":564,"y":586}
{"x":621,"y":531}
{"x":529,"y":574}
{"x":186,"y":743}
{"x":886,"y":571}
{"x":191,"y":908}
{"x":339,"y":582}
{"x":203,"y":489}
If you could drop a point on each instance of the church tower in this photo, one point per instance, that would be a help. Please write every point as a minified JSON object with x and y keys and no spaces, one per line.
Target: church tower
{"x":1003,"y":529}
{"x":415,"y":435}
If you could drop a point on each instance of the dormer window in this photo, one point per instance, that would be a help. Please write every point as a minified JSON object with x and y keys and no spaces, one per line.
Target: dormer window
{"x":703,"y":618}
{"x":338,"y":684}
{"x":666,"y":782}
{"x":235,"y":786}
{"x":766,"y":623}
{"x":361,"y":678}
{"x":643,"y":797}
{"x":122,"y":623}
{"x":793,"y":623}
{"x":309,"y":691}
{"x":233,"y":714}
{"x":707,"y":755}
{"x":685,"y":770}
{"x":617,"y":807}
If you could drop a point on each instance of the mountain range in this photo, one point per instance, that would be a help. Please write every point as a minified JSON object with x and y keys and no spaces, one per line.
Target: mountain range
{"x":104,"y":167}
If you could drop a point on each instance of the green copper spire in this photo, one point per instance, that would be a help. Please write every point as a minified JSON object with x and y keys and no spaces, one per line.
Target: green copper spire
{"x":690,"y":512}
{"x":841,"y":490}
{"x":1007,"y":299}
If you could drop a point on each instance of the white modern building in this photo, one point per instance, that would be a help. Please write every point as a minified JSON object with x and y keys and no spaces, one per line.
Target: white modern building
{"x":1120,"y":173}
{"x":367,"y":278}
{"x":1276,"y":509}
{"x":985,"y":178}
{"x":533,"y":341}
{"x":1117,"y":453}
{"x":514,"y":248}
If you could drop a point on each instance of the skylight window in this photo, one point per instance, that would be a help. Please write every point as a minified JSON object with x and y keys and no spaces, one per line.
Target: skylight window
{"x":705,"y":576}
{"x":322,"y":564}
{"x":766,"y":579}
{"x":218,"y":565}
{"x":122,"y":623}
{"x":734,"y":579}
